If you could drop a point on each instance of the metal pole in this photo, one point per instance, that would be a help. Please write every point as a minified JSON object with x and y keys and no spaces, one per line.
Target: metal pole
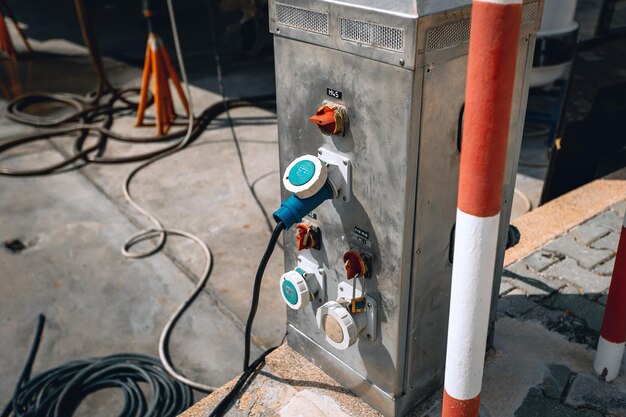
{"x":613,"y":334}
{"x":494,"y":40}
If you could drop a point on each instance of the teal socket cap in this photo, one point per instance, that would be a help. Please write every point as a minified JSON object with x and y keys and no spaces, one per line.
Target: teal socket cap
{"x":290,"y":292}
{"x":301,"y":173}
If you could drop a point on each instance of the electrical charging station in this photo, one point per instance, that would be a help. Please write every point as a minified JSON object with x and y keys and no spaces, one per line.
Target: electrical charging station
{"x":370,"y":98}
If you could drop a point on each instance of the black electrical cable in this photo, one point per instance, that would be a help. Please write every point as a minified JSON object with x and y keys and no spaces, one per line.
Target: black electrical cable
{"x":250,"y":369}
{"x":59,"y":391}
{"x":222,"y":408}
{"x":88,"y":123}
{"x":256,"y":291}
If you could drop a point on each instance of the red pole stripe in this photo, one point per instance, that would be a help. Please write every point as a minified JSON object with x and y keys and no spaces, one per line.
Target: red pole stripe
{"x":494,"y":40}
{"x":459,"y":408}
{"x":614,"y":324}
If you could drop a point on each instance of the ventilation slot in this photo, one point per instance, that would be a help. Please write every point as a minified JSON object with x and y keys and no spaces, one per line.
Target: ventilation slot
{"x":302,"y":19}
{"x":366,"y":33}
{"x":529,"y":12}
{"x":456,"y":33}
{"x":448,"y":35}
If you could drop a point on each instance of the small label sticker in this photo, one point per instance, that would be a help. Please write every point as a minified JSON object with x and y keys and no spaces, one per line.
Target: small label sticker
{"x":362,"y":241}
{"x":361,"y":233}
{"x":334,"y":93}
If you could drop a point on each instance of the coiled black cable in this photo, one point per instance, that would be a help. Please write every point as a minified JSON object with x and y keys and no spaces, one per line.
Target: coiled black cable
{"x":59,"y":391}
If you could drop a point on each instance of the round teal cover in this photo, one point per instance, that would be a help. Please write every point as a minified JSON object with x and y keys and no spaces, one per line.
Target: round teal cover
{"x":290,"y":292}
{"x":301,"y":173}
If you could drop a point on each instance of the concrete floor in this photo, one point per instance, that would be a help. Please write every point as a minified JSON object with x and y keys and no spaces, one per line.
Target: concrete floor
{"x":73,"y":224}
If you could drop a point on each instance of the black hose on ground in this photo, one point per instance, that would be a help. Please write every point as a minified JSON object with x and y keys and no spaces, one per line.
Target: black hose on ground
{"x":59,"y":391}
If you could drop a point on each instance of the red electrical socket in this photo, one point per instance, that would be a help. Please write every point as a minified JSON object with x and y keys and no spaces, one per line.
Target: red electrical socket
{"x":356,"y":263}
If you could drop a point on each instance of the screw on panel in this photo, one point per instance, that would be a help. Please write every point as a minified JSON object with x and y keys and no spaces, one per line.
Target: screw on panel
{"x":369,"y":336}
{"x":345,"y":163}
{"x":402,"y":62}
{"x":345,"y":198}
{"x":369,"y":305}
{"x":277,"y":30}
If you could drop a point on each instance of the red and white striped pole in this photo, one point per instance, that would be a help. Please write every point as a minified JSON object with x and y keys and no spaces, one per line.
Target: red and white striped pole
{"x":494,"y":39}
{"x":613,"y":334}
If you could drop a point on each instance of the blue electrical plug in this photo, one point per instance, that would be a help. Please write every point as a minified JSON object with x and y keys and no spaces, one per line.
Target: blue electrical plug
{"x":293,"y":209}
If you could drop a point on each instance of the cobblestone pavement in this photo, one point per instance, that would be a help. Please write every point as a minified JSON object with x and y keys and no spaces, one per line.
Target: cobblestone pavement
{"x":564,"y":286}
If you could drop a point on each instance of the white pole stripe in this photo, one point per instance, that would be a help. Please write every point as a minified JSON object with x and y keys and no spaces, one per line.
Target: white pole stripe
{"x":608,"y":356}
{"x":470,"y":299}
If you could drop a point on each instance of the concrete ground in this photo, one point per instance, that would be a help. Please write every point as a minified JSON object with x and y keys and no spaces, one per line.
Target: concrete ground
{"x":73,"y":225}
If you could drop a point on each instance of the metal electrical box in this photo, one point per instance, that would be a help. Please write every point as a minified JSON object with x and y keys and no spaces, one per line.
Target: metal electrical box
{"x":397,"y":69}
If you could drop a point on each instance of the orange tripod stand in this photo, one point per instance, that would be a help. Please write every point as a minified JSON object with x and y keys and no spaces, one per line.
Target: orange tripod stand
{"x":6,"y":45}
{"x":158,"y":64}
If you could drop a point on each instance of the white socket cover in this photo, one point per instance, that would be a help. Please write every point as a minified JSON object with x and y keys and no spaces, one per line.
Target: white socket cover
{"x":294,"y":290}
{"x":314,"y":181}
{"x":343,"y":329}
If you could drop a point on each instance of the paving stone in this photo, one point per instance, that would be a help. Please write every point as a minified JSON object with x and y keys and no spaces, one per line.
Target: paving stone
{"x":555,"y":382}
{"x":535,"y":405}
{"x":569,"y":270}
{"x":515,"y":304}
{"x":586,"y":257}
{"x":608,"y":219}
{"x":590,"y":391}
{"x":576,"y":331}
{"x":619,"y":208}
{"x":505,"y":287}
{"x":588,"y":232}
{"x":548,"y":318}
{"x":591,"y":312}
{"x":606,"y":268}
{"x":540,"y":260}
{"x":522,"y":276}
{"x":593,"y":297}
{"x":607,"y":242}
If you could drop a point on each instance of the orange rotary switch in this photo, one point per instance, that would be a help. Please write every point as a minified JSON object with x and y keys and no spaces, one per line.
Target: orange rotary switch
{"x":355,"y":263}
{"x":330,"y":119}
{"x":308,"y":236}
